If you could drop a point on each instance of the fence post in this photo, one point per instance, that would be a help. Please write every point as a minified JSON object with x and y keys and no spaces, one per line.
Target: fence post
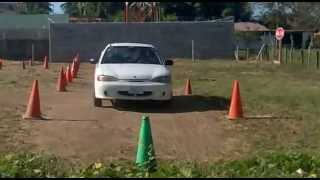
{"x":308,"y":56}
{"x":286,"y":55}
{"x":317,"y":59}
{"x":4,"y":45}
{"x":32,"y":52}
{"x":302,"y":59}
{"x":291,"y":57}
{"x":192,"y":44}
{"x":247,"y":54}
{"x":268,"y":53}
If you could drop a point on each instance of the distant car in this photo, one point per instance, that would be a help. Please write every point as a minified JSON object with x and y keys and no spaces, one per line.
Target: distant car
{"x":131,"y":71}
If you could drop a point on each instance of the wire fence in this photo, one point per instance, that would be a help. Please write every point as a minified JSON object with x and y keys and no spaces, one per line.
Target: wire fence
{"x":303,"y":57}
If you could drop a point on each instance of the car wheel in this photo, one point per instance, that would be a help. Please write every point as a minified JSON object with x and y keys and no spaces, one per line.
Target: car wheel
{"x":97,"y":102}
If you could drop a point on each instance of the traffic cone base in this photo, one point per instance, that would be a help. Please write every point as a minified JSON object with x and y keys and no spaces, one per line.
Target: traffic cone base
{"x":187,"y":88}
{"x":235,"y":110}
{"x":33,"y":109}
{"x":145,"y":157}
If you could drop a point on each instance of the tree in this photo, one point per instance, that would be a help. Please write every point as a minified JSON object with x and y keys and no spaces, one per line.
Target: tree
{"x":299,"y":15}
{"x":37,"y":8}
{"x":190,"y":11}
{"x":143,"y":11}
{"x":240,"y":10}
{"x":151,"y":11}
{"x":184,"y":11}
{"x":91,"y":9}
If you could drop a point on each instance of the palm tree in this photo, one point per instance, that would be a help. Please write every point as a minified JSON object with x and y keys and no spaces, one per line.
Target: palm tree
{"x":37,"y":8}
{"x":88,"y":9}
{"x":143,"y":11}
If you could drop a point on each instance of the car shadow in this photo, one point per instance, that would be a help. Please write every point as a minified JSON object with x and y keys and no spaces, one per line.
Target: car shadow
{"x":180,"y":104}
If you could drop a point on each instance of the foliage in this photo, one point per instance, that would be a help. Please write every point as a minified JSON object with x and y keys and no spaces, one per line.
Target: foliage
{"x":188,"y":11}
{"x":247,"y":36}
{"x":277,"y":164}
{"x":37,"y":8}
{"x":316,"y":40}
{"x":169,"y":17}
{"x":117,"y":17}
{"x":142,"y":11}
{"x":298,"y":15}
{"x":91,"y":9}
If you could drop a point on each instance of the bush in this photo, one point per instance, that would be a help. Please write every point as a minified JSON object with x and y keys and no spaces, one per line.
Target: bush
{"x":169,"y":17}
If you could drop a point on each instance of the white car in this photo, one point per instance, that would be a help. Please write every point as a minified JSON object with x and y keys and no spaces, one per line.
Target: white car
{"x":131,"y":71}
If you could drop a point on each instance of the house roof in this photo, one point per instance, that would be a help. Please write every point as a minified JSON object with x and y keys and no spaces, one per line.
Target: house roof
{"x":249,"y":26}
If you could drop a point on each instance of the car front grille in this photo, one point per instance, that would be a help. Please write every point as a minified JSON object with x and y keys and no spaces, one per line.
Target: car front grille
{"x":126,"y":93}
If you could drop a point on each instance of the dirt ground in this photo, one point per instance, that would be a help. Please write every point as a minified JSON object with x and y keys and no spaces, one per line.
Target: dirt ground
{"x":194,"y":128}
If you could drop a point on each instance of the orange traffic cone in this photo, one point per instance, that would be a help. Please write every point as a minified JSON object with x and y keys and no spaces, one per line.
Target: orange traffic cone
{"x":187,"y":88}
{"x":73,"y":70}
{"x":65,"y":76}
{"x":23,"y":65}
{"x":235,"y":110}
{"x":77,"y":61}
{"x":33,"y":109}
{"x":61,"y":84}
{"x":45,"y":63}
{"x":69,"y":75}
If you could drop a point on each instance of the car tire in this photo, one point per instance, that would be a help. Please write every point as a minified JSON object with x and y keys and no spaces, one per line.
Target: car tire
{"x":97,"y":102}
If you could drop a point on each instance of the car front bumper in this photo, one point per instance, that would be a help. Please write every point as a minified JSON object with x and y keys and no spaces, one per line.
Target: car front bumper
{"x":133,"y":90}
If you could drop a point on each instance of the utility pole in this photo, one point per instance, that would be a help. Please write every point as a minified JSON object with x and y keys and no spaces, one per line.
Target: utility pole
{"x":50,"y":21}
{"x":126,"y":12}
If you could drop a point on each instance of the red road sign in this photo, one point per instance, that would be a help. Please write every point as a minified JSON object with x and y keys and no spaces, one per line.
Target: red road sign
{"x":279,"y":33}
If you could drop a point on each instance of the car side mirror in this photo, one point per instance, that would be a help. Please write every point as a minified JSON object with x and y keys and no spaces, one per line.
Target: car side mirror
{"x":169,"y":62}
{"x":92,"y":61}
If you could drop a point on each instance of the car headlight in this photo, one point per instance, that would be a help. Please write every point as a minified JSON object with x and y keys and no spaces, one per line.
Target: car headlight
{"x":162,"y":79}
{"x":106,"y":78}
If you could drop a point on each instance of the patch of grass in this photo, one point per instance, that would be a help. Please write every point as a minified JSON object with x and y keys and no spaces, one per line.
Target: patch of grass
{"x":279,"y":164}
{"x":288,"y":92}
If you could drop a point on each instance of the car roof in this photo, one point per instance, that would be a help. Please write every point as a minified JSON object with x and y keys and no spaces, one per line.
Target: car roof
{"x":132,"y":44}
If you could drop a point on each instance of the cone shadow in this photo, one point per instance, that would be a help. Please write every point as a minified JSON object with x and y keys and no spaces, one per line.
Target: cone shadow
{"x":180,"y":104}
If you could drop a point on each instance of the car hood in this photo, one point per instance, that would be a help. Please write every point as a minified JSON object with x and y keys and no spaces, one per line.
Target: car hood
{"x":133,"y":71}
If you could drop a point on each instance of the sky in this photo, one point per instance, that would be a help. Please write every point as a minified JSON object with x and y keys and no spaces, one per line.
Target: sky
{"x":56,"y":7}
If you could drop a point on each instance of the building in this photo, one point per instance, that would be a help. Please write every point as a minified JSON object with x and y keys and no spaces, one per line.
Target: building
{"x":249,"y":26}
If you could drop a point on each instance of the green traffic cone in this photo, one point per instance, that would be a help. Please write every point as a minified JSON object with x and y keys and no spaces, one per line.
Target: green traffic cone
{"x":145,"y":152}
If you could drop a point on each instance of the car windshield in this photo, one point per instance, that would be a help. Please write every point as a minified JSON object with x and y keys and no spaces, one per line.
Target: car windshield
{"x":130,"y":54}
